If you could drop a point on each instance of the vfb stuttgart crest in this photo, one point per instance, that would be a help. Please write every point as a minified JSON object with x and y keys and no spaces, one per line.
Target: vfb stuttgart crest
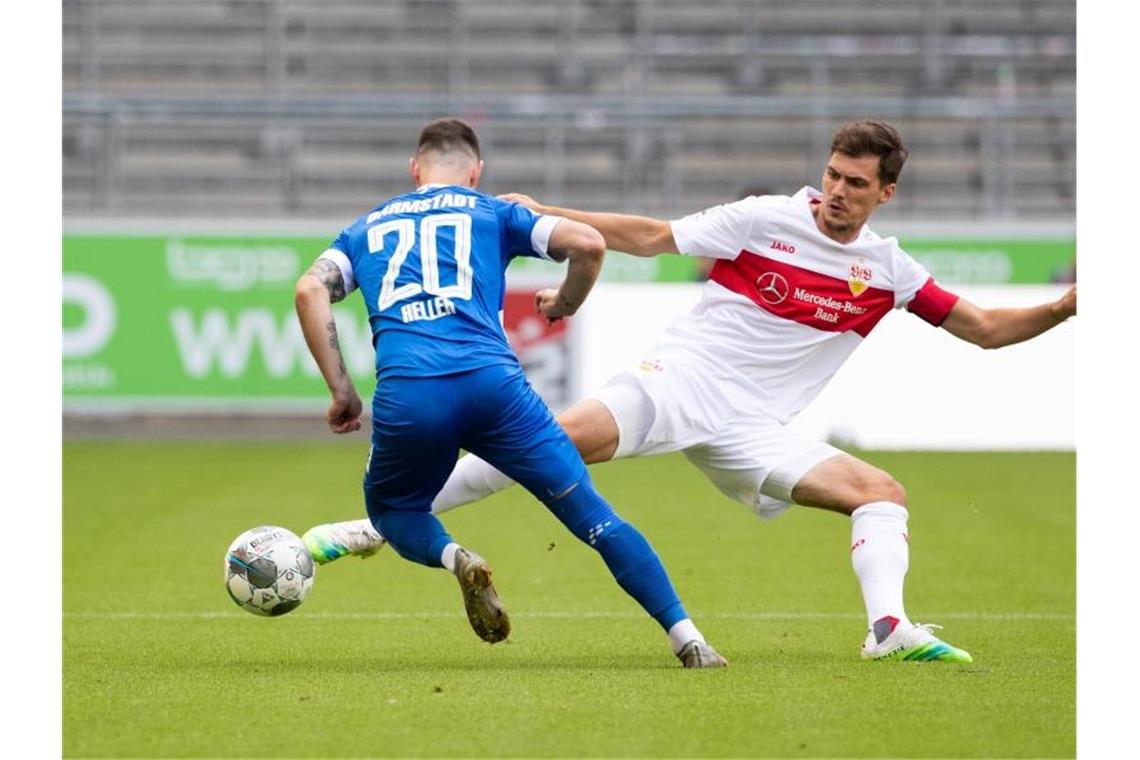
{"x":859,"y":277}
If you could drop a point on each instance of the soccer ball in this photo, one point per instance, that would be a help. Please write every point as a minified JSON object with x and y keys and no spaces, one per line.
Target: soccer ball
{"x":268,"y":571}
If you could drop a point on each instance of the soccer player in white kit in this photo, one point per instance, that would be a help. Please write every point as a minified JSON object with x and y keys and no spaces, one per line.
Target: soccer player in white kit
{"x":798,"y":282}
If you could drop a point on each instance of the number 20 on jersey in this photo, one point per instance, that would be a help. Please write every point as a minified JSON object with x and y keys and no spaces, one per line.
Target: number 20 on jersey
{"x":429,"y":226}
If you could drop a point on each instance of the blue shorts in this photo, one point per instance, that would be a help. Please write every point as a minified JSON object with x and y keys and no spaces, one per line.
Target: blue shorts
{"x":420,"y":424}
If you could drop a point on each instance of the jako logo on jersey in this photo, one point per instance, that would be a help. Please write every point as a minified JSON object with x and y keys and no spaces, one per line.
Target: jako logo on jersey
{"x":773,"y":288}
{"x":858,"y":277}
{"x":782,"y":247}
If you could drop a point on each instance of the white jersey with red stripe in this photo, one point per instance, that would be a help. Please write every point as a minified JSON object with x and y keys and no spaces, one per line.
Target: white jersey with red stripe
{"x":785,"y":305}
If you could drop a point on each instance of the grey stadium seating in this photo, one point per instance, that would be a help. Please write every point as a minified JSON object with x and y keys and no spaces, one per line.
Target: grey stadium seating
{"x":306,"y":108}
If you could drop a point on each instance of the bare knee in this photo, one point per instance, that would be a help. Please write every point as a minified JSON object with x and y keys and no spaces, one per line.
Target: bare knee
{"x":843,"y":484}
{"x":869,"y":485}
{"x":880,"y":485}
{"x":591,"y":426}
{"x":577,"y":426}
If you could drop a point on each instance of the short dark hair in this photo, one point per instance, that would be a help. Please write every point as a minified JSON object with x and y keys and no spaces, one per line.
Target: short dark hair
{"x":873,"y":138}
{"x":446,"y":135}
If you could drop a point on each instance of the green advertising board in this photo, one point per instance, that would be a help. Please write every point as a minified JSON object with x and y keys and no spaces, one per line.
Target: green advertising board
{"x":186,"y":319}
{"x":208,"y":320}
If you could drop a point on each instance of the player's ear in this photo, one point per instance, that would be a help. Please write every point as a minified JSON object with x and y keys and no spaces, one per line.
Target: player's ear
{"x":414,"y":170}
{"x":476,"y":173}
{"x":887,"y":192}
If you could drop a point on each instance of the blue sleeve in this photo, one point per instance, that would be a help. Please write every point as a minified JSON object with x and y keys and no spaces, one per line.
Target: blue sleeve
{"x":518,"y":223}
{"x":340,"y":253}
{"x":341,"y":242}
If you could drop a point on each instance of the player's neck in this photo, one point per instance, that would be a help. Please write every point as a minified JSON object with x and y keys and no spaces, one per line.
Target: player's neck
{"x":846,"y":233}
{"x":444,"y":178}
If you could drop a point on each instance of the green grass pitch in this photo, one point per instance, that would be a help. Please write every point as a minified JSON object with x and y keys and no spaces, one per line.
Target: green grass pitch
{"x":379,"y":661}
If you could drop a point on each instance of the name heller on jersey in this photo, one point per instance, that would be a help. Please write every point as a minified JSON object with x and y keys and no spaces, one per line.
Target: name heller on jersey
{"x":430,"y":309}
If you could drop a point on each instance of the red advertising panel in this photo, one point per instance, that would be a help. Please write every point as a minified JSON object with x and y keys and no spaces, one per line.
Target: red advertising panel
{"x":545,"y":351}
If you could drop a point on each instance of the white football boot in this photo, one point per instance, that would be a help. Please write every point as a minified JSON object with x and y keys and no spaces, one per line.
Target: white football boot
{"x":331,"y":541}
{"x":889,"y":639}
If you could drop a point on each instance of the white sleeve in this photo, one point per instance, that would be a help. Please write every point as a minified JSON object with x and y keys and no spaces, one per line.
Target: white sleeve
{"x":336,"y":256}
{"x":540,"y":234}
{"x":720,"y":232}
{"x":909,"y":275}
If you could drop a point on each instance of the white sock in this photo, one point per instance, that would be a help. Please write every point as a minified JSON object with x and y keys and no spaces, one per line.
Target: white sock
{"x":682,"y":632}
{"x":448,"y":556}
{"x":880,"y":556}
{"x":471,"y":480}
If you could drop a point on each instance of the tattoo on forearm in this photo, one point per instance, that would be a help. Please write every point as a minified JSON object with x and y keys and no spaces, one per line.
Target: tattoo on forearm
{"x":334,"y":344}
{"x":329,"y":275}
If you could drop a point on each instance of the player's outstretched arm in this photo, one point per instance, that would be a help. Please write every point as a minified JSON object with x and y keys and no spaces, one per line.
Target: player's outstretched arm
{"x":638,"y":235}
{"x":315,"y":294}
{"x":994,"y":328}
{"x":583,"y":248}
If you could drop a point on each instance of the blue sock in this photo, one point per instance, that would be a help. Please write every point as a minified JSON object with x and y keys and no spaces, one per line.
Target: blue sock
{"x":418,"y":536}
{"x":625,"y":551}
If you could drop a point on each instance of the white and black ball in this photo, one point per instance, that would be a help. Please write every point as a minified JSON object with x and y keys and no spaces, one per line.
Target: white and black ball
{"x":268,"y":571}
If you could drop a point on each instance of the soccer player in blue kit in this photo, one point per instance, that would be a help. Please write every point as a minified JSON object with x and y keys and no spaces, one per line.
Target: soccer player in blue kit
{"x":430,"y":266}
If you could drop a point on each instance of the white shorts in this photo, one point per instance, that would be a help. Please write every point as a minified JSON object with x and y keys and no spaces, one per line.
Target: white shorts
{"x":748,"y":455}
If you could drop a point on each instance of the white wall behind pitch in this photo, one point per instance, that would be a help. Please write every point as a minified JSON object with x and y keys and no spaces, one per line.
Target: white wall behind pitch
{"x":909,"y":386}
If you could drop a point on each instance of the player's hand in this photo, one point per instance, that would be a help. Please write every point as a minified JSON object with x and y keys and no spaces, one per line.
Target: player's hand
{"x":551,"y":304}
{"x":523,"y":200}
{"x":1066,"y":306}
{"x":344,"y":414}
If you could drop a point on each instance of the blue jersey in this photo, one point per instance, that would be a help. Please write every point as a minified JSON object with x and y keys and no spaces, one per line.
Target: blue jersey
{"x":430,"y":266}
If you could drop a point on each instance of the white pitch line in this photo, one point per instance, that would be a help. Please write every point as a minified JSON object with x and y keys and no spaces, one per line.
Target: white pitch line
{"x":988,"y":616}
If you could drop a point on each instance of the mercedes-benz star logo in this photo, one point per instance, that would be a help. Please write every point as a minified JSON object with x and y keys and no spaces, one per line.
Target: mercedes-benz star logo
{"x":773,"y":287}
